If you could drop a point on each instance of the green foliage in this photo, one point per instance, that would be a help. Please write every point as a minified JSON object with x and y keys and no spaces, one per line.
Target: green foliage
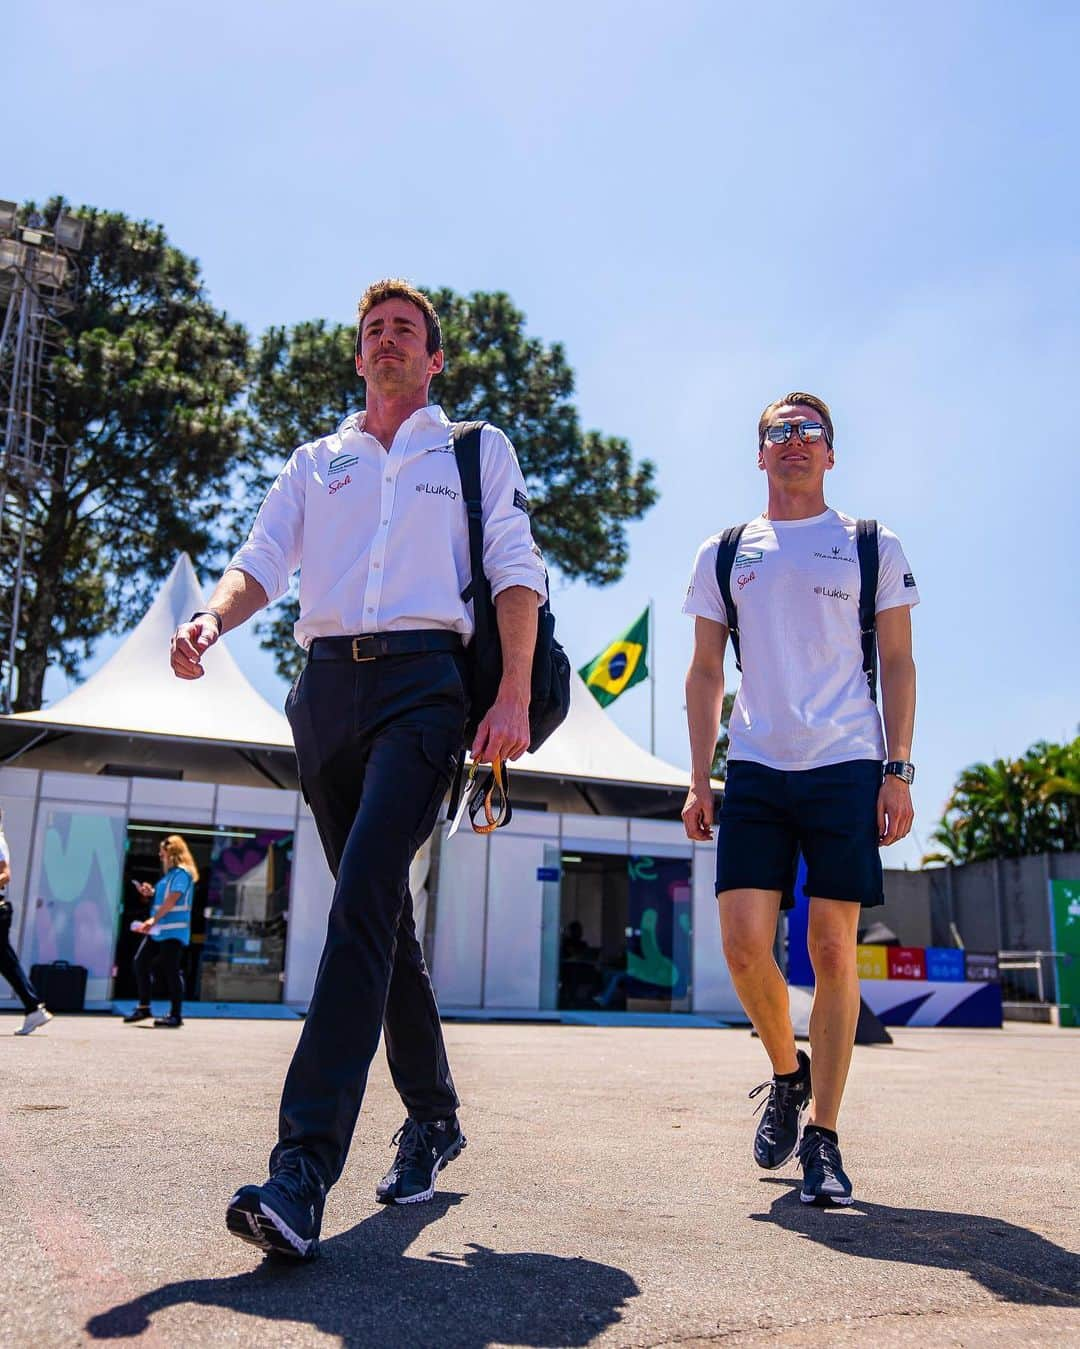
{"x":1014,"y":808}
{"x":583,"y":486}
{"x":144,"y":399}
{"x":719,"y":761}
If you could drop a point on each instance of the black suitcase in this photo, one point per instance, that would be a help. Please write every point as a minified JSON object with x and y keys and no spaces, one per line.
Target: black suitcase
{"x":60,"y":986}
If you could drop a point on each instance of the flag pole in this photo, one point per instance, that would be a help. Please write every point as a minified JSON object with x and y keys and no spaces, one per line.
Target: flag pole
{"x":652,"y":681}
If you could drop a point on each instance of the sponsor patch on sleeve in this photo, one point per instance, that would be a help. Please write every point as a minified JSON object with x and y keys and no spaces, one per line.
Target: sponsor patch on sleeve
{"x":521,"y":501}
{"x":909,"y":580}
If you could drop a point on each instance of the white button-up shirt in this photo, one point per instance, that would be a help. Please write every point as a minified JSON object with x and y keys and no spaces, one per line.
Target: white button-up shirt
{"x":381,"y":537}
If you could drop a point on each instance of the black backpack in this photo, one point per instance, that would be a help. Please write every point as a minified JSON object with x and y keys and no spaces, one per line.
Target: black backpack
{"x":866,"y":545}
{"x":550,"y":700}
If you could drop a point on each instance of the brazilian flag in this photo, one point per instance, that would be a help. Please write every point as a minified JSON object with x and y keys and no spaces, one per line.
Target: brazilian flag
{"x":621,"y":665}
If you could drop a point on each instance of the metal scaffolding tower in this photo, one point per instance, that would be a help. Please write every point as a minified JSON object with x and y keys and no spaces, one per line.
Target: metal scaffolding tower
{"x":37,"y":285}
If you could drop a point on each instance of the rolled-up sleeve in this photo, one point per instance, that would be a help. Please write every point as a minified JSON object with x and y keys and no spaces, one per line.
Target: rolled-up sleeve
{"x":510,"y":556}
{"x":272,"y":551}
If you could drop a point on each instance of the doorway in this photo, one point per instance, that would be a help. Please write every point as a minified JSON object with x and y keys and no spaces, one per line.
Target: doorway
{"x":625,"y":933}
{"x":239,"y":915}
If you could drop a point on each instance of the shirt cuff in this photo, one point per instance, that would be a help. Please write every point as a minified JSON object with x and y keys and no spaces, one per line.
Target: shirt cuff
{"x":259,"y":571}
{"x":519,"y":576}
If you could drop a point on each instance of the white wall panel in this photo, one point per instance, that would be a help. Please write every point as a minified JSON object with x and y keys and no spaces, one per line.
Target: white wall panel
{"x":595,"y":827}
{"x":514,"y":922}
{"x":157,"y":798}
{"x":309,"y":904}
{"x":18,"y":782}
{"x":457,"y":967}
{"x":713,"y":990}
{"x":268,"y":807}
{"x":646,"y":833}
{"x":84,"y":787}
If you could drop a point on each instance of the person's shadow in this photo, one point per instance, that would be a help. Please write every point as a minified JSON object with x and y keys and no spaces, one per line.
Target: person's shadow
{"x":366,"y":1291}
{"x":1012,"y":1263}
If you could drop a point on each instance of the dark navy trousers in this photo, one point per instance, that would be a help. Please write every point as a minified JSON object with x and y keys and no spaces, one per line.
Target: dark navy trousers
{"x":10,"y":969}
{"x":377,"y":744}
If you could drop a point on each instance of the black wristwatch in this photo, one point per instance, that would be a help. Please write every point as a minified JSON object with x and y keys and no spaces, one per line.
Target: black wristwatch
{"x":203,"y":613}
{"x":897,"y":768}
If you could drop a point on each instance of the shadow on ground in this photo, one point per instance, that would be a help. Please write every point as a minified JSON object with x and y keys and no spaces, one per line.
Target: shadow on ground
{"x":367,"y":1291}
{"x":1011,"y":1262}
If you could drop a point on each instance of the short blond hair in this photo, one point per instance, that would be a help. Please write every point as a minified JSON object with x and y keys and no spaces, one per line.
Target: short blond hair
{"x":178,"y":854}
{"x":394,"y":288}
{"x":809,"y":400}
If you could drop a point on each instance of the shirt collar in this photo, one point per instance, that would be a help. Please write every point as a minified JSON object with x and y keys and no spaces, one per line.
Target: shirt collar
{"x":431,"y":414}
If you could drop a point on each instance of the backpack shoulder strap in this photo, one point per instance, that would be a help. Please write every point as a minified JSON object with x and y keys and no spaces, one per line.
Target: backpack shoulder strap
{"x":866,"y":545}
{"x":726,"y":553}
{"x":466,"y":440}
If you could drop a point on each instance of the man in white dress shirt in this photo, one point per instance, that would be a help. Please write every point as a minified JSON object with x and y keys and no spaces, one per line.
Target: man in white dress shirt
{"x":373,"y":514}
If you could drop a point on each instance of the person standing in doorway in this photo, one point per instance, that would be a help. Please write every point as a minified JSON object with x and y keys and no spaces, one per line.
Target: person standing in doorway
{"x":36,"y":1012}
{"x":166,"y":933}
{"x":809,"y":767}
{"x":374,"y":516}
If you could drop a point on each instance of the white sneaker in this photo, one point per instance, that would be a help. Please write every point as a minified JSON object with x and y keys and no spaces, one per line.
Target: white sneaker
{"x":38,"y":1017}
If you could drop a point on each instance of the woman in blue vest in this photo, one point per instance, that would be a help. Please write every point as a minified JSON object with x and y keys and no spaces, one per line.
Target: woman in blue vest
{"x":167,"y":932}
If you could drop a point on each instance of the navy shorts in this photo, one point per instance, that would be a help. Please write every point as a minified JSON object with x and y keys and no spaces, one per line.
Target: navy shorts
{"x":828,"y":814}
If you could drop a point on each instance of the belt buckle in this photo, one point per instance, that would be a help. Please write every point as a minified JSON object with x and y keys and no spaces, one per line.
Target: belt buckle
{"x":356,"y":650}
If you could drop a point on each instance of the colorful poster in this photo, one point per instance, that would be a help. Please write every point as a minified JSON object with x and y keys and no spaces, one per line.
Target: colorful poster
{"x":1065,"y":926}
{"x":907,"y":962}
{"x":76,"y":906}
{"x":873,"y":962}
{"x":980,"y":967}
{"x":945,"y":964}
{"x":659,"y":930}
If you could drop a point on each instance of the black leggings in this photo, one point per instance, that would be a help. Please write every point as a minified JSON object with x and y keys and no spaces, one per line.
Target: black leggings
{"x":162,"y":959}
{"x":10,"y":969}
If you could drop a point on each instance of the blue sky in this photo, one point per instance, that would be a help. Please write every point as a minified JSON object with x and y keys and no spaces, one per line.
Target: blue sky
{"x":709,"y":204}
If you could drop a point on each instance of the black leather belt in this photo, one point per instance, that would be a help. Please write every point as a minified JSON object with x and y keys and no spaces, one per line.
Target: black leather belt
{"x":372,"y":645}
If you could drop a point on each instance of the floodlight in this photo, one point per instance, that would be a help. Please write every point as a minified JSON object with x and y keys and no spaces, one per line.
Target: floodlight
{"x":69,"y":230}
{"x":12,"y":254}
{"x":51,"y":269}
{"x":8,"y":211}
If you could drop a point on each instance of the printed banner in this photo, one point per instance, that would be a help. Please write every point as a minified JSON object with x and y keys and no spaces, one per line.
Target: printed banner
{"x":1065,"y":925}
{"x":873,"y":962}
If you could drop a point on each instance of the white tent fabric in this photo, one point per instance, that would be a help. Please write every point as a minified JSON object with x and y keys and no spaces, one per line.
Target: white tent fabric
{"x":589,"y":745}
{"x":135,"y":692}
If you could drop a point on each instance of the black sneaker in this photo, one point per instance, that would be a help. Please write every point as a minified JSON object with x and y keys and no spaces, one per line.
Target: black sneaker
{"x":824,"y":1180}
{"x":170,"y":1022}
{"x":138,"y":1014}
{"x":423,"y":1150}
{"x":778,"y":1130}
{"x":283,"y":1216}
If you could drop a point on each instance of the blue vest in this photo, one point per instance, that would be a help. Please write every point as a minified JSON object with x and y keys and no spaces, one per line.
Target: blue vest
{"x":176,"y":925}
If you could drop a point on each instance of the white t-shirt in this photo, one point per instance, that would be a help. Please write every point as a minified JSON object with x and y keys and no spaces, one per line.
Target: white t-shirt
{"x":803,"y":701}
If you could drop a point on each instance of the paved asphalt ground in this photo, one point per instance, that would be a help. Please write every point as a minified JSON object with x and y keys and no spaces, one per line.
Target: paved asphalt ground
{"x":607,"y":1196}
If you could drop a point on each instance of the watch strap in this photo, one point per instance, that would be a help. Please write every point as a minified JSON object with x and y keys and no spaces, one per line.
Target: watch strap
{"x":212,"y":613}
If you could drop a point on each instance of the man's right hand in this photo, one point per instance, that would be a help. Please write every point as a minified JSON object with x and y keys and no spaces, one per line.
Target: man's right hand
{"x":189,"y":641}
{"x":697,"y":814}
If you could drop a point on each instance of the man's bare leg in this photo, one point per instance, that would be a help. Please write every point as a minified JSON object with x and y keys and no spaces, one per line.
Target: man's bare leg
{"x":748,"y":928}
{"x":835,"y":1013}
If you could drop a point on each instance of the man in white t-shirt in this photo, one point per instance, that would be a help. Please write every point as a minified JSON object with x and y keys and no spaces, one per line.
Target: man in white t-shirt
{"x":809,"y":768}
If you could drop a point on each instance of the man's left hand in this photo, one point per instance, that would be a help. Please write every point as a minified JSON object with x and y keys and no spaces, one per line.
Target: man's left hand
{"x":504,"y":732}
{"x":895,"y":813}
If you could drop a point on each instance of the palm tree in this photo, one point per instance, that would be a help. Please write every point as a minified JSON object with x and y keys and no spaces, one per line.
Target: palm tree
{"x":1013,"y":808}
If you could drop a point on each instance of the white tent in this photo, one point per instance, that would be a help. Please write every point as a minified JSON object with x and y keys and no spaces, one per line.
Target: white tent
{"x":136,"y":693}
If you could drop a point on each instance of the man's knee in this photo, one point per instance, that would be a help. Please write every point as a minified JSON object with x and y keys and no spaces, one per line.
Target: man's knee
{"x":744,"y":950}
{"x":832,"y":954}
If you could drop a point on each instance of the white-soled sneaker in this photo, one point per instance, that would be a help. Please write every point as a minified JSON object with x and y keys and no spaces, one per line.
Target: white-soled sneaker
{"x":38,"y":1017}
